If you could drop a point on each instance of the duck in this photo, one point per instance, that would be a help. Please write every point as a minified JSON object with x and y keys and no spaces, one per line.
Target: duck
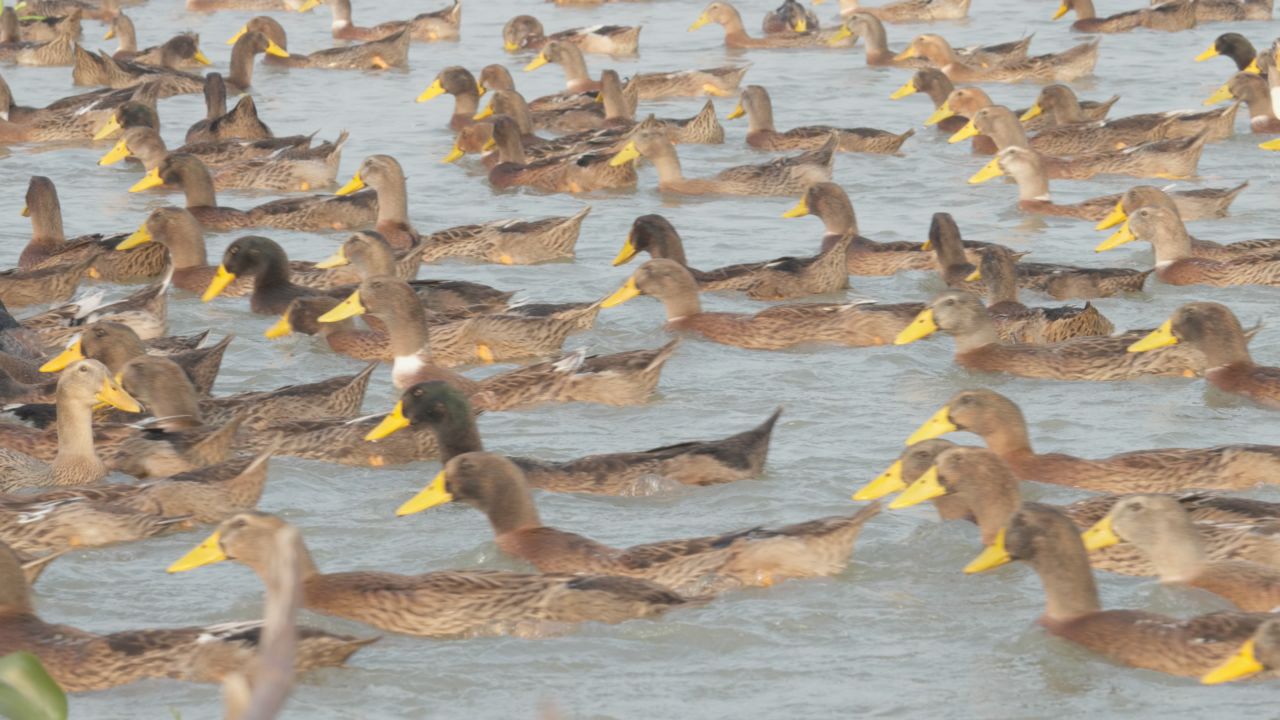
{"x":382,"y":54}
{"x":114,"y":344}
{"x":756,"y":105}
{"x":1003,"y":428}
{"x":779,"y":279}
{"x":1177,"y":264}
{"x":40,"y":526}
{"x":121,"y":29}
{"x":281,"y":164}
{"x":314,"y":212}
{"x":81,"y":661}
{"x":102,"y":69}
{"x":790,"y":175}
{"x":48,"y":284}
{"x":782,"y":326}
{"x":383,"y":175}
{"x":909,"y":11}
{"x":414,"y":347}
{"x":239,"y":77}
{"x":1257,"y":654}
{"x":1058,"y":104}
{"x":1027,"y":168}
{"x":979,"y":348}
{"x":496,"y":486}
{"x":461,"y":84}
{"x":1040,"y":325}
{"x":1213,"y":330}
{"x":424,"y":27}
{"x":613,"y":112}
{"x":1253,"y":90}
{"x":720,"y":81}
{"x":1071,"y":64}
{"x":446,"y":410}
{"x":573,"y":172}
{"x":735,"y":33}
{"x":1169,"y":16}
{"x":509,"y":242}
{"x":1163,"y":531}
{"x":1171,"y":159}
{"x":876,"y":42}
{"x":240,"y":123}
{"x":1047,"y":540}
{"x":974,"y":484}
{"x":49,"y":246}
{"x":1235,"y":47}
{"x":965,"y":102}
{"x":82,"y":384}
{"x":1233,"y":10}
{"x":934,"y":83}
{"x":1180,"y":206}
{"x":78,"y":117}
{"x":1073,"y":133}
{"x":266,"y":262}
{"x":525,"y":32}
{"x":444,"y":603}
{"x":61,"y":50}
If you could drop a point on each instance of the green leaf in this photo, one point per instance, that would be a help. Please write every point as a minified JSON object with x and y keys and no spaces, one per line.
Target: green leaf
{"x":27,"y":692}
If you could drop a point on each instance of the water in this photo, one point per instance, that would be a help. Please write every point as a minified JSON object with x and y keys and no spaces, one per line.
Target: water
{"x":903,"y":632}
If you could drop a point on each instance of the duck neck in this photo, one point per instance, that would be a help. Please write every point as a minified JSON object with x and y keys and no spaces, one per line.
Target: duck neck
{"x":992,"y":513}
{"x":682,"y":303}
{"x":1172,"y":244}
{"x":197,"y":186}
{"x":1067,"y":111}
{"x":126,"y":34}
{"x":877,"y":43}
{"x":1084,"y":10}
{"x":1226,"y":348}
{"x":46,"y":224}
{"x":760,"y":117}
{"x":1009,"y":440}
{"x":215,"y":99}
{"x":407,"y":324}
{"x":510,"y":149}
{"x":980,"y":335}
{"x":575,"y":67}
{"x":1001,"y":287}
{"x":1178,"y":552}
{"x":838,"y":218}
{"x":457,"y":434}
{"x":241,"y":72}
{"x":733,"y":27}
{"x":376,"y":260}
{"x":340,"y":10}
{"x":75,"y":435}
{"x":513,"y":510}
{"x":15,"y":596}
{"x":466,"y":102}
{"x":669,"y":247}
{"x":616,"y":106}
{"x":667,"y":163}
{"x":1069,"y":587}
{"x":1033,"y":184}
{"x":186,"y":246}
{"x":261,"y":566}
{"x":9,"y":32}
{"x":393,"y":201}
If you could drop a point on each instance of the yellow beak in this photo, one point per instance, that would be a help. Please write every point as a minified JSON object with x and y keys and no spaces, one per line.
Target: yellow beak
{"x":111,"y":127}
{"x":282,"y":328}
{"x":1270,"y":144}
{"x":703,"y":19}
{"x":1253,"y":67}
{"x":150,"y":180}
{"x":1115,"y":217}
{"x":626,"y":155}
{"x":889,"y":481}
{"x":308,"y":6}
{"x":337,"y":259}
{"x":218,"y":284}
{"x":348,"y":308}
{"x":434,"y":90}
{"x":117,"y":153}
{"x":1063,"y":9}
{"x":737,"y":112}
{"x":454,"y":155}
{"x":991,"y":170}
{"x":1212,"y":52}
{"x":26,"y":211}
{"x":73,"y":353}
{"x":110,"y":34}
{"x":937,"y":425}
{"x":239,"y":34}
{"x":355,"y":183}
{"x":536,"y":63}
{"x":1243,"y":664}
{"x":274,"y":49}
{"x":964,"y":133}
{"x":923,"y":326}
{"x":486,"y":112}
{"x":801,"y":25}
{"x":510,"y":46}
{"x":1032,"y":112}
{"x":1222,"y":94}
{"x":622,"y":294}
{"x":112,"y":394}
{"x":907,"y":54}
{"x":908,"y":88}
{"x":139,"y":237}
{"x":1118,"y":238}
{"x":943,"y":112}
{"x":840,"y":35}
{"x":431,"y":496}
{"x":800,"y":209}
{"x":926,"y":487}
{"x":1101,"y":535}
{"x":627,"y":252}
{"x":206,"y":553}
{"x":993,"y":557}
{"x":201,"y":58}
{"x":974,"y":276}
{"x":1160,"y":337}
{"x":488,"y":145}
{"x":393,"y":422}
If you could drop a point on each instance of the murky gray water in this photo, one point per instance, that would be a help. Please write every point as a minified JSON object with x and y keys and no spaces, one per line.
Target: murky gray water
{"x":903,"y":633}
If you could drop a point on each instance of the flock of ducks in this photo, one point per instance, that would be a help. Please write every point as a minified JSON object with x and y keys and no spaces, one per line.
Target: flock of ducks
{"x":80,"y":373}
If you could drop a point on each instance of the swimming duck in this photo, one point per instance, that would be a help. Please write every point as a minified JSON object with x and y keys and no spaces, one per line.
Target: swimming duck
{"x":573,"y":172}
{"x":779,"y":279}
{"x":509,"y":242}
{"x":241,"y":123}
{"x":114,"y":344}
{"x":1071,"y":64}
{"x":788,"y":18}
{"x":613,"y":111}
{"x":314,"y":212}
{"x":783,"y":326}
{"x":445,"y":408}
{"x":388,"y":52}
{"x":876,"y":43}
{"x":51,"y":283}
{"x":265,"y":261}
{"x":1214,"y":331}
{"x":1253,"y":89}
{"x":61,"y":50}
{"x":720,"y":81}
{"x":1004,"y":430}
{"x":1179,"y":206}
{"x":1027,"y":168}
{"x":1173,"y":158}
{"x":102,"y":69}
{"x":784,"y":176}
{"x":171,"y":53}
{"x":45,"y":26}
{"x":1161,"y":529}
{"x":978,"y":347}
{"x":1259,"y":653}
{"x":461,"y":84}
{"x":932,"y":82}
{"x":1048,"y":541}
{"x":447,"y":603}
{"x":756,"y":105}
{"x":909,"y":11}
{"x":1177,"y":264}
{"x":495,"y":486}
{"x":1232,"y":10}
{"x":1021,"y":324}
{"x":1236,"y":47}
{"x":1072,"y":132}
{"x":735,"y":33}
{"x":1169,"y":16}
{"x":80,"y":386}
{"x":78,"y":117}
{"x":81,"y":661}
{"x":383,"y":175}
{"x":524,"y":32}
{"x":424,"y":27}
{"x":36,"y":525}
